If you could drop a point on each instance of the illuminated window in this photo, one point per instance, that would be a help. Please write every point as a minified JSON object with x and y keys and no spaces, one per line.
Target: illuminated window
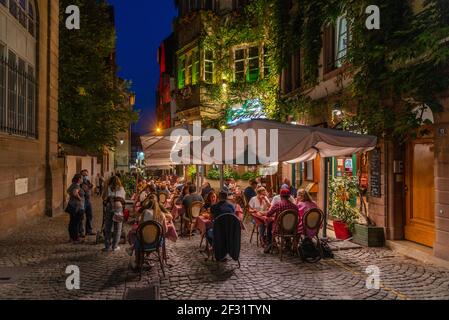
{"x":239,"y":63}
{"x":195,"y":67}
{"x":253,"y":64}
{"x":189,"y":69}
{"x":247,"y":64}
{"x":209,"y":66}
{"x":17,"y":79}
{"x":341,"y":47}
{"x":181,"y":72}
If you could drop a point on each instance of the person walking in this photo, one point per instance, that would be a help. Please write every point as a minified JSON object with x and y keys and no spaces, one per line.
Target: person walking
{"x":115,"y":202}
{"x":74,"y":208}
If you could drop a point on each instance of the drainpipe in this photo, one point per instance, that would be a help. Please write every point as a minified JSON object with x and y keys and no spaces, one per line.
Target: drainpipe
{"x":48,"y":170}
{"x":325,"y":196}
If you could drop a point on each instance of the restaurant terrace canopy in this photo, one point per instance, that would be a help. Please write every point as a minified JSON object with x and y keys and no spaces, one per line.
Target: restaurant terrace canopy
{"x":295,"y":143}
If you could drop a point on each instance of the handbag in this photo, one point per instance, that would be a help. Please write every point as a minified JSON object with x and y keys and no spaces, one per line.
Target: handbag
{"x":71,"y":209}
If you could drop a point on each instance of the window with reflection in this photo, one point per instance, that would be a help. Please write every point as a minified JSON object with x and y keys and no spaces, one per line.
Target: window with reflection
{"x":17,"y":70}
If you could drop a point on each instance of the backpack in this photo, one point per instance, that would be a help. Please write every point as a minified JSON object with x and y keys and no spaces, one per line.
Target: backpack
{"x":309,"y":251}
{"x":327,"y":251}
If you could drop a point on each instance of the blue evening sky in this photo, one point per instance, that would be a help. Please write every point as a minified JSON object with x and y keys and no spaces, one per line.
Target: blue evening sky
{"x":141,"y":26}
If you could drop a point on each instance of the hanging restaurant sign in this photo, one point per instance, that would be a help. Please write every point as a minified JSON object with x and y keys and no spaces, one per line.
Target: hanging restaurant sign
{"x":250,"y":110}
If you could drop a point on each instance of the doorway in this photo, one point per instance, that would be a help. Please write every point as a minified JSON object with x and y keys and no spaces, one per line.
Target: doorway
{"x":420,"y":192}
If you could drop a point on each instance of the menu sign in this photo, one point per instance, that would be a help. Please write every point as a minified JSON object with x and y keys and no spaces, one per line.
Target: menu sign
{"x":375,"y":177}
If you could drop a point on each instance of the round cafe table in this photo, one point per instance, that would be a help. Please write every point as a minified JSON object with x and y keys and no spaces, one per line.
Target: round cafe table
{"x":177,"y":211}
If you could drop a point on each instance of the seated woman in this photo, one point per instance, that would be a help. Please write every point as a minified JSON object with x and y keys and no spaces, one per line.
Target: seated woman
{"x":209,"y":201}
{"x":151,"y":211}
{"x":305,"y":203}
{"x":258,"y":207}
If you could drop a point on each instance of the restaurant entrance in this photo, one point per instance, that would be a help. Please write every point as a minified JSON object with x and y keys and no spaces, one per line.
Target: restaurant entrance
{"x":420,"y":192}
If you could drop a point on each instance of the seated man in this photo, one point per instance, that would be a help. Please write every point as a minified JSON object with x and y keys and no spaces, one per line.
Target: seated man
{"x":274,"y":212}
{"x":277,"y":198}
{"x":192,"y":197}
{"x":222,"y":207}
{"x":250,"y":191}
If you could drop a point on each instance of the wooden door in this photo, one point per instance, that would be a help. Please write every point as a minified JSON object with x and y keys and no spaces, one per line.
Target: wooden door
{"x":420,"y":192}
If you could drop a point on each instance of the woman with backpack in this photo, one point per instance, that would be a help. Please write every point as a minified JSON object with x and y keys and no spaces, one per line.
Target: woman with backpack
{"x":115,"y":204}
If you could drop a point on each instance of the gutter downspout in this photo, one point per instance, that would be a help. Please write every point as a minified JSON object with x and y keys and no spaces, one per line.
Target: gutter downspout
{"x":48,"y":170}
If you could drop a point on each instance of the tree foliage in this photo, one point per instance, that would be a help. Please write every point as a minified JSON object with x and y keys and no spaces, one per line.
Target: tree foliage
{"x":92,"y":99}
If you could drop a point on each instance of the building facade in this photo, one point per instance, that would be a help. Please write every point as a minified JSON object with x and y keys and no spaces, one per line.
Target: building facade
{"x":32,"y":175}
{"x":195,"y":64}
{"x":406,"y":183}
{"x":165,"y":102}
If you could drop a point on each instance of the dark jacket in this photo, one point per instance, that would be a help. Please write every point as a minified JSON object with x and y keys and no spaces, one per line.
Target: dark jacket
{"x":227,"y":236}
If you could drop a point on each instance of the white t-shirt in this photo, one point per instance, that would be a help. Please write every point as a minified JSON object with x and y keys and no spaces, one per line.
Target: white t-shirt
{"x":256,"y":204}
{"x":277,"y":199}
{"x":121,"y":193}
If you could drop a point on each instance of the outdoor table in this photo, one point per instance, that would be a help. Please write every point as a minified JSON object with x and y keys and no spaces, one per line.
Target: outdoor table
{"x":167,"y":204}
{"x":177,"y":211}
{"x":171,"y":233}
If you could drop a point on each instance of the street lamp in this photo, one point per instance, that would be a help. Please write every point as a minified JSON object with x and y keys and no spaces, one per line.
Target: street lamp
{"x":122,"y":142}
{"x":132,"y":99}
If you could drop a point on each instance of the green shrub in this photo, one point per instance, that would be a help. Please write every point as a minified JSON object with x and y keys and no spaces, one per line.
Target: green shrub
{"x":213,"y":174}
{"x":341,"y":191}
{"x":248,"y":175}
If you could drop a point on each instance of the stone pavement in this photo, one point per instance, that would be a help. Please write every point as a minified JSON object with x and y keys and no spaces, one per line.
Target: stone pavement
{"x":34,"y":259}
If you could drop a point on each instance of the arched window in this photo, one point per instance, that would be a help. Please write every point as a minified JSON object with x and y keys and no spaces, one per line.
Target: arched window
{"x":17,"y":68}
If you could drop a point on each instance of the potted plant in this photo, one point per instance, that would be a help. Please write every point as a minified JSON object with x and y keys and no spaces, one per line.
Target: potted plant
{"x":342,"y":191}
{"x":367,"y":233}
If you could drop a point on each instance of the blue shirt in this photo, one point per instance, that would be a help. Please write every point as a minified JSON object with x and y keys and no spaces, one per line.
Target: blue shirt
{"x":249,"y":193}
{"x":220,"y":208}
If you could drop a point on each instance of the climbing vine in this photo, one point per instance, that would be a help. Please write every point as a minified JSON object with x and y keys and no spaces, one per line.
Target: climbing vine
{"x":394,"y":71}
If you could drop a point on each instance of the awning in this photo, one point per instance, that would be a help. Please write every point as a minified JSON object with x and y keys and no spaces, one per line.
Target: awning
{"x":295,"y":143}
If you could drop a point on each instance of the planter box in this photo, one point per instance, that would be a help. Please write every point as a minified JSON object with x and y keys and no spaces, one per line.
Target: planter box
{"x":369,"y":236}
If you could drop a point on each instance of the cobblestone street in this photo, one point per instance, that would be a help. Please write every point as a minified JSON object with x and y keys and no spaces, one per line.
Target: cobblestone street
{"x":38,"y":255}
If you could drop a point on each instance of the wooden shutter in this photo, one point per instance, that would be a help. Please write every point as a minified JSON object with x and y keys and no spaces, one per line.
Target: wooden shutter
{"x":329,"y":48}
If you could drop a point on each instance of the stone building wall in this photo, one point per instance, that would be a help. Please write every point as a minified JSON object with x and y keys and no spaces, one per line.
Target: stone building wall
{"x":35,"y":159}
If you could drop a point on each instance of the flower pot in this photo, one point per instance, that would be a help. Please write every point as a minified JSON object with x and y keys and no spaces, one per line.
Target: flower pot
{"x":341,"y":230}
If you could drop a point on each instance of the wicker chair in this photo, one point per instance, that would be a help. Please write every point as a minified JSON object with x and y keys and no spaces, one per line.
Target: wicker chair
{"x":151,"y":241}
{"x":192,"y":213}
{"x":287,"y":223}
{"x":312,"y":222}
{"x":257,"y":222}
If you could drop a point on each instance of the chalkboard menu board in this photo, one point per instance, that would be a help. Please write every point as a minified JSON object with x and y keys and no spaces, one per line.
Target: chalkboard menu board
{"x":375,"y":178}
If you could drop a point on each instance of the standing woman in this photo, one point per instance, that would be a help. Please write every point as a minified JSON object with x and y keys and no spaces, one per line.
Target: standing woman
{"x":74,"y":208}
{"x":114,"y":213}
